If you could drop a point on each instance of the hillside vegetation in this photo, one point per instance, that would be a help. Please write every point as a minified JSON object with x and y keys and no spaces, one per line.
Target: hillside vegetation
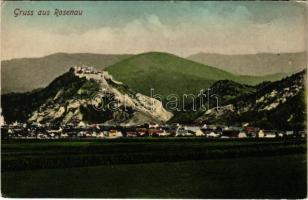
{"x":170,"y":74}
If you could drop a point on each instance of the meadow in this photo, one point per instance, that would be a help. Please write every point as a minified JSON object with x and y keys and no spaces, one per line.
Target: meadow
{"x":155,"y":168}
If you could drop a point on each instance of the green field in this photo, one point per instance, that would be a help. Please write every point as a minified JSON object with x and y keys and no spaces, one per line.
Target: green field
{"x":185,"y":168}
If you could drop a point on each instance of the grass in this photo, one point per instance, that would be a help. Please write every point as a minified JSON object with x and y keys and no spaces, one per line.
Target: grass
{"x":282,"y":176}
{"x":37,"y":154}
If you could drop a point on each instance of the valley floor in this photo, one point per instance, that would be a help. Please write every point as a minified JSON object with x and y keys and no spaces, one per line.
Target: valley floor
{"x":155,"y":168}
{"x":267,"y":177}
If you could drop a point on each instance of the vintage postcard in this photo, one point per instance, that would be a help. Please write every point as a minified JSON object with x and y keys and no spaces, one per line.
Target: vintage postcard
{"x":154,"y":99}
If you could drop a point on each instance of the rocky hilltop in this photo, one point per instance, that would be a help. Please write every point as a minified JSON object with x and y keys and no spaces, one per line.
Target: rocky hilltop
{"x":84,"y":94}
{"x":275,"y":105}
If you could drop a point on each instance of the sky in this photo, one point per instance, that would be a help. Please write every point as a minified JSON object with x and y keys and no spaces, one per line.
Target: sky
{"x":182,"y":28}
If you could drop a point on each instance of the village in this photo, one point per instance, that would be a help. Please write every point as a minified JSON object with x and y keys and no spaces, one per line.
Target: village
{"x":101,"y":131}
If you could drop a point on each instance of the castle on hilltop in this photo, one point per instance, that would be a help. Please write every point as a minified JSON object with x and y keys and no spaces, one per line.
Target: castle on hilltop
{"x":89,"y":72}
{"x":84,"y":70}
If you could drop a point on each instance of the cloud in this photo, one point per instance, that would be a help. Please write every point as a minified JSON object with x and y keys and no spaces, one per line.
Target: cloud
{"x":236,"y":34}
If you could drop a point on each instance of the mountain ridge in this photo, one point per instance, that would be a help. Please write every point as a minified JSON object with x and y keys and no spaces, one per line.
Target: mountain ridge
{"x":252,"y":64}
{"x":70,"y":99}
{"x":34,"y":73}
{"x":26,"y":74}
{"x":168,"y":73}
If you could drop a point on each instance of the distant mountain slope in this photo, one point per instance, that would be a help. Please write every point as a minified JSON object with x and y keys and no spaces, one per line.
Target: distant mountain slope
{"x":26,"y":74}
{"x":70,"y":99}
{"x":170,"y":74}
{"x":255,"y":64}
